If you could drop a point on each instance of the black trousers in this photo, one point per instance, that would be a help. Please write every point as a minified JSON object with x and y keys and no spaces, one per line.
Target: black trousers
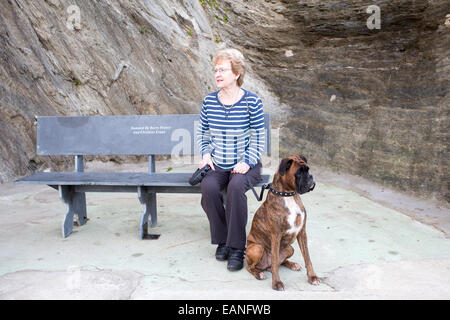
{"x":228,"y":224}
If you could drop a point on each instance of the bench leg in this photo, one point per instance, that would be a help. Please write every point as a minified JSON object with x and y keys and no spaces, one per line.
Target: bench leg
{"x":79,"y":202}
{"x":76,"y":202}
{"x":149,"y":214}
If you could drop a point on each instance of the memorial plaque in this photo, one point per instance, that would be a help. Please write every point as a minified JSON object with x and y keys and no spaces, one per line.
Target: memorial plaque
{"x":120,"y":135}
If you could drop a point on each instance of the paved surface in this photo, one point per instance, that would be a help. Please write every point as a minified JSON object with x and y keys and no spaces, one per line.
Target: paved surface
{"x":366,"y":242}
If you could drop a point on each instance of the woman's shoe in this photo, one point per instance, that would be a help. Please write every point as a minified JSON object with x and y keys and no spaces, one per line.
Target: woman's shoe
{"x":236,"y":259}
{"x":222,"y":252}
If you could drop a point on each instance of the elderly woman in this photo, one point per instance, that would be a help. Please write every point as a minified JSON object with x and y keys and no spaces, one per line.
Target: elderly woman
{"x":231,"y":138}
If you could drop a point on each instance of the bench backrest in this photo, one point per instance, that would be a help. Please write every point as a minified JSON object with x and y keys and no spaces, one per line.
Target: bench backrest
{"x":122,"y":135}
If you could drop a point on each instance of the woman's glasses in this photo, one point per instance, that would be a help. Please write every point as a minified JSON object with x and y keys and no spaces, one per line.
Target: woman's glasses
{"x":220,"y":70}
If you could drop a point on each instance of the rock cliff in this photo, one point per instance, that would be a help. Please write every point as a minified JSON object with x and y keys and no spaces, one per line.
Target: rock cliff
{"x":360,"y":98}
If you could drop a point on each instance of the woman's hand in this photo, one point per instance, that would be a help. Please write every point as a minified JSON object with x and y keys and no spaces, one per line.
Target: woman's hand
{"x":206,"y":160}
{"x":241,"y":167}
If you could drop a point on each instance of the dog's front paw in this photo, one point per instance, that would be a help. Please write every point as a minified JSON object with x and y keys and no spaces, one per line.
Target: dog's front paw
{"x":278,"y":286}
{"x":314,"y":280}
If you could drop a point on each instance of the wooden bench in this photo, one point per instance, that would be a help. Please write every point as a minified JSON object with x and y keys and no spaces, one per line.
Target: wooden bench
{"x":118,"y":135}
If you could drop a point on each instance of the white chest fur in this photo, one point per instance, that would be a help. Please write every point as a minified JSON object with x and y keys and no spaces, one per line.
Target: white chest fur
{"x":294,"y":211}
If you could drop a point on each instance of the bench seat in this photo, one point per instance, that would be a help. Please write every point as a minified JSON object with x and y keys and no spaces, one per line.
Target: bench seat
{"x":119,"y":179}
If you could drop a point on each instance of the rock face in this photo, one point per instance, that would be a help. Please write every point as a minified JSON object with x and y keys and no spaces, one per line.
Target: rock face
{"x":122,"y":57}
{"x":372,"y":102}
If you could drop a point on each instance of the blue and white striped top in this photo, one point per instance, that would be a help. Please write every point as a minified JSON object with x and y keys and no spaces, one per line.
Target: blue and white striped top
{"x":234,"y":135}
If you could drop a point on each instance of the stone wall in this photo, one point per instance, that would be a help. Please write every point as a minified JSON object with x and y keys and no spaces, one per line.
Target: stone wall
{"x":374,"y":102}
{"x":369,"y":102}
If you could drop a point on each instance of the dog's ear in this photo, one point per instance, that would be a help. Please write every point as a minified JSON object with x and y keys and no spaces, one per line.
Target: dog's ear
{"x":303,"y":158}
{"x":284,"y":166}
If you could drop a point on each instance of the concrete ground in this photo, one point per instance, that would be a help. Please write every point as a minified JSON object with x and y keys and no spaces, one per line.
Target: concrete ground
{"x":365,"y":241}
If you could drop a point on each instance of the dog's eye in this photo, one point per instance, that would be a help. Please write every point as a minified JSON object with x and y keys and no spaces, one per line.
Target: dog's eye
{"x":301,"y":171}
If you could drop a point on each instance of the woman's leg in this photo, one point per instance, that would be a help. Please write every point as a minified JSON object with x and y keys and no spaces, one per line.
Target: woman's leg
{"x":236,"y":207}
{"x":212,"y":203}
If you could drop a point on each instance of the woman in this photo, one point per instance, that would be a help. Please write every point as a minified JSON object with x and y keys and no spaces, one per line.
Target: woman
{"x":231,"y":138}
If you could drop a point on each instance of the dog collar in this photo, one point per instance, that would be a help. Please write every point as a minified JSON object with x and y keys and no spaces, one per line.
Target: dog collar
{"x":269,"y":186}
{"x":281,"y":193}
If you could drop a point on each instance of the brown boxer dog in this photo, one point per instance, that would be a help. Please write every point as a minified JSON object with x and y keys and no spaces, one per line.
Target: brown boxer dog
{"x":279,"y":221}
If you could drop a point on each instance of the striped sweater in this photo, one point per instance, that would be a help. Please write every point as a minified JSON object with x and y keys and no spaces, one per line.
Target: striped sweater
{"x":234,"y":135}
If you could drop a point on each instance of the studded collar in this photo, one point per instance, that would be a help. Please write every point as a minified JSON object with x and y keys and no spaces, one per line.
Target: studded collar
{"x":269,"y":186}
{"x":281,"y":193}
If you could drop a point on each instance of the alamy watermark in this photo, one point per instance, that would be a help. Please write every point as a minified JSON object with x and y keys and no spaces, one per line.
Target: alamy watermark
{"x":73,"y":280}
{"x":74,"y":20}
{"x":374,"y":21}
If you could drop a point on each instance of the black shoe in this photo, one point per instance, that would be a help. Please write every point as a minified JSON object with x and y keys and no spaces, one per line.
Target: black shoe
{"x":236,"y":259}
{"x":222,"y":252}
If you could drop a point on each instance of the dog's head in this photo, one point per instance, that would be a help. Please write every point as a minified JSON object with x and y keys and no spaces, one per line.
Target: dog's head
{"x":294,"y":172}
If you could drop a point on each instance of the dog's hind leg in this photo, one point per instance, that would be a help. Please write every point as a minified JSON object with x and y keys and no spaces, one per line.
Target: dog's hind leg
{"x":254,"y":254}
{"x":292,"y":265}
{"x":284,"y":255}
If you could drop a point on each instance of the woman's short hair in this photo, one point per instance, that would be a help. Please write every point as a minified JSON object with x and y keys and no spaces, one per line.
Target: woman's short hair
{"x":237,"y":62}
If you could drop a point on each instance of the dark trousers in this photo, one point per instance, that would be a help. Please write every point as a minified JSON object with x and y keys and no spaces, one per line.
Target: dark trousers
{"x":228,"y":224}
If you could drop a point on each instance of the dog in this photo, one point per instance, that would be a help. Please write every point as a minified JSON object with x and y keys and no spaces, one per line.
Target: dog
{"x":279,"y":221}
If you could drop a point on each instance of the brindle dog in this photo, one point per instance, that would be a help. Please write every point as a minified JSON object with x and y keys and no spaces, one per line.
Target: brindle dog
{"x":279,"y":221}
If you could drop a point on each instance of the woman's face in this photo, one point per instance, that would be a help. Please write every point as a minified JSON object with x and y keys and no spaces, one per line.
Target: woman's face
{"x":223,"y":74}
